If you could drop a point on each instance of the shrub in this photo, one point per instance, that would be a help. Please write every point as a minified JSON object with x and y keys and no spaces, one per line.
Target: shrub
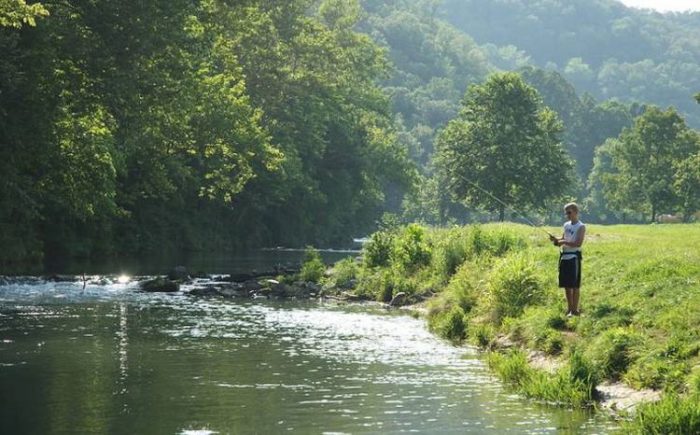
{"x":613,"y":351}
{"x":313,"y":268}
{"x":449,"y":324}
{"x":514,"y":285}
{"x":411,"y":250}
{"x":377,"y":251}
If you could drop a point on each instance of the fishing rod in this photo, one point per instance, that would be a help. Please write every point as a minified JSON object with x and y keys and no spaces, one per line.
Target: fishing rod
{"x":503,"y":203}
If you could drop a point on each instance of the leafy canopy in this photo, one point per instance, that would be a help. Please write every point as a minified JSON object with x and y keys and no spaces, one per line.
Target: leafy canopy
{"x":506,"y":142}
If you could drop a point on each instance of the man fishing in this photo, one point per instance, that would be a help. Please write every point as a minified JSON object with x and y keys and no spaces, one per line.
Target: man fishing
{"x":570,"y":257}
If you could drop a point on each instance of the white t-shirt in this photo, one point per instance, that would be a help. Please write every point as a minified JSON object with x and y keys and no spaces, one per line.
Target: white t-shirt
{"x":570,"y":235}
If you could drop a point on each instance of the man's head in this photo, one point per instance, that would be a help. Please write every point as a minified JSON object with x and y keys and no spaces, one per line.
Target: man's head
{"x":571,"y":210}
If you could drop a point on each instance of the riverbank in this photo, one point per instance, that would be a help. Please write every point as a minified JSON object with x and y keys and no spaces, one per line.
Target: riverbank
{"x":494,"y":286}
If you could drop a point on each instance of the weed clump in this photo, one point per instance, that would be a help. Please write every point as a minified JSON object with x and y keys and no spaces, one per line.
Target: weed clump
{"x":313,"y":268}
{"x":514,"y":285}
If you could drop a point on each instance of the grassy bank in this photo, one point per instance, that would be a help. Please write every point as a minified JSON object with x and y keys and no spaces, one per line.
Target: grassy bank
{"x":495,"y":286}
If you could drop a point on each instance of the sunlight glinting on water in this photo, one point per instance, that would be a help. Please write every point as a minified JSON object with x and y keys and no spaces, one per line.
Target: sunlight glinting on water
{"x":327,"y":368}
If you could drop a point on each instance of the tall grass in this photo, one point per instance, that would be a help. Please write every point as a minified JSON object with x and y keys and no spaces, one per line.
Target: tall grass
{"x":673,"y":415}
{"x":514,"y":285}
{"x":574,"y":384}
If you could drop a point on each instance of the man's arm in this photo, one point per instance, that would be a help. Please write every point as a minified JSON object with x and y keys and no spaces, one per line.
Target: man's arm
{"x":580,"y":236}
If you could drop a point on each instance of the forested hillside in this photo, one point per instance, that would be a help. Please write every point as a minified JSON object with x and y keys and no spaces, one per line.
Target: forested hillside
{"x":603,"y":47}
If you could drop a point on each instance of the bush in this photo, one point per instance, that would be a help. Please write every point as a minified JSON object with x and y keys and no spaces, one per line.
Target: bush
{"x":313,"y":268}
{"x":411,"y":250}
{"x":614,"y":351}
{"x":377,"y":252}
{"x":449,"y":324}
{"x":514,"y":285}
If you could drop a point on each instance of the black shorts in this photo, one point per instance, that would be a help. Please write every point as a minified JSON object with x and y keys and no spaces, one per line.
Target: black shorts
{"x":570,"y":271}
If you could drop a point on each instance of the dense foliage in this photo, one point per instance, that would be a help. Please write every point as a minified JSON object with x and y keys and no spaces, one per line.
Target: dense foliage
{"x":504,"y":143}
{"x":651,"y":166}
{"x":131,"y":127}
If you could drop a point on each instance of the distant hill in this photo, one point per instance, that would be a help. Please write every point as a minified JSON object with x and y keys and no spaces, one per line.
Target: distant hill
{"x":602,"y":46}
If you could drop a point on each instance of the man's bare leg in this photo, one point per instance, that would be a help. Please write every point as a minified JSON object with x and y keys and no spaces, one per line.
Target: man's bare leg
{"x":569,"y":300}
{"x":575,"y":293}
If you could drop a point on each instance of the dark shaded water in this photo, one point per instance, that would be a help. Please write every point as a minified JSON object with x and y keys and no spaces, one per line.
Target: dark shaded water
{"x":207,"y":262}
{"x":112,"y":360}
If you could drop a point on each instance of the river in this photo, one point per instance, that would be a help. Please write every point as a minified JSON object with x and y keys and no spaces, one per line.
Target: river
{"x":110,"y":359}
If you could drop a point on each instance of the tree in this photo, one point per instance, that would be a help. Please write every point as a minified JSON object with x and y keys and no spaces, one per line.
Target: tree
{"x":15,"y":13}
{"x":643,"y":161}
{"x":506,"y":142}
{"x":687,"y":185}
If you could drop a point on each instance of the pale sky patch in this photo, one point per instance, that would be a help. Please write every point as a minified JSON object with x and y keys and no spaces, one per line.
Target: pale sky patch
{"x":665,"y":5}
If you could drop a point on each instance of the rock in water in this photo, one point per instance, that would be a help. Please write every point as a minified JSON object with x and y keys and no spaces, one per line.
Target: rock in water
{"x":179,"y":273}
{"x":160,"y":285}
{"x":398,"y":300}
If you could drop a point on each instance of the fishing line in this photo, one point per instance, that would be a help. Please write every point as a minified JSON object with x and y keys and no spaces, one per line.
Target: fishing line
{"x":503,"y":203}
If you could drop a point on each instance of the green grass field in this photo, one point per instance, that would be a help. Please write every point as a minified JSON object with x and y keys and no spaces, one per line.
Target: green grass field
{"x":640,"y":302}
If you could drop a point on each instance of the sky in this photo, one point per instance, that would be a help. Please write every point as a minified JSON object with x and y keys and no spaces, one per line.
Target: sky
{"x":665,"y":5}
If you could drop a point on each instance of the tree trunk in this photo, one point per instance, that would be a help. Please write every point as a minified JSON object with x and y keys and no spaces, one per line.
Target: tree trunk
{"x":653,"y":214}
{"x":502,"y":214}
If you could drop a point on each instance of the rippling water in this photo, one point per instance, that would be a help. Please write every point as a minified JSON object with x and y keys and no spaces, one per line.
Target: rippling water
{"x":111,"y":360}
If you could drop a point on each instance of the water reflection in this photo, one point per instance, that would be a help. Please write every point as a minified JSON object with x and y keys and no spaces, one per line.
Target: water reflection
{"x":187,"y":365}
{"x":122,"y":352}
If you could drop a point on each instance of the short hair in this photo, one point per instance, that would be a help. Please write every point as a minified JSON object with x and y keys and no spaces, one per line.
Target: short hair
{"x":571,"y":206}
